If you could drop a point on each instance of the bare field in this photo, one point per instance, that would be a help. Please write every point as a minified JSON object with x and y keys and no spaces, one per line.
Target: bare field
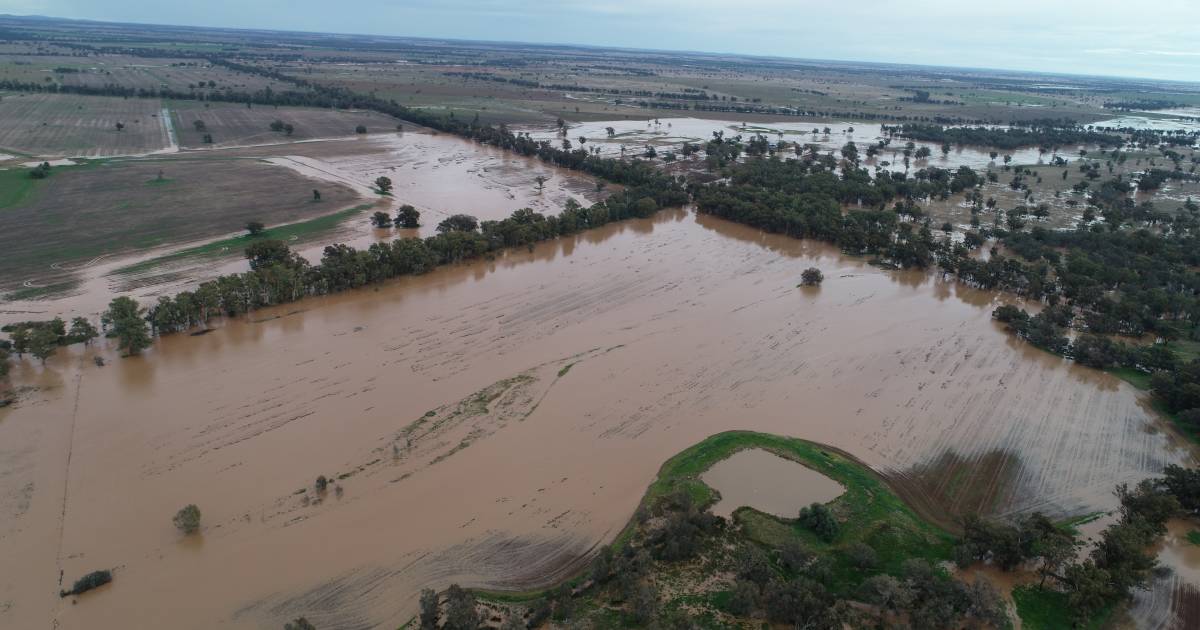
{"x":233,"y":125}
{"x":80,"y":213}
{"x":67,"y":125}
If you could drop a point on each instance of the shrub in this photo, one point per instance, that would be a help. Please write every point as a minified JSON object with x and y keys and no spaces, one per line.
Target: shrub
{"x":187,"y":519}
{"x":862,"y":555}
{"x":811,"y":277}
{"x":88,"y":582}
{"x":819,"y":520}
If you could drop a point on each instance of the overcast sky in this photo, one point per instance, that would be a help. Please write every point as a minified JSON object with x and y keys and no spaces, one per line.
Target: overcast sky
{"x":1143,"y":38}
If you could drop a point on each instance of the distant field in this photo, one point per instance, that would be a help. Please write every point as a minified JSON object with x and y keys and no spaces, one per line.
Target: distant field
{"x":231,"y":124}
{"x":65,"y":125}
{"x":99,"y":208}
{"x":130,"y":71}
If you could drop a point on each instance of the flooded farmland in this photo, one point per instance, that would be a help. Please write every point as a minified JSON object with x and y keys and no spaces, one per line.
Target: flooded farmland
{"x":633,"y":136}
{"x":493,"y":424}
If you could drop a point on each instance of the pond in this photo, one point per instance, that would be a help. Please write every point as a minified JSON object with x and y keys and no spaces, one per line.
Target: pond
{"x":768,"y":483}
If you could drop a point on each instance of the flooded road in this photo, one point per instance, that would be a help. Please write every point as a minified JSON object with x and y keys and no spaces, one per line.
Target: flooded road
{"x":494,"y":423}
{"x":768,"y":483}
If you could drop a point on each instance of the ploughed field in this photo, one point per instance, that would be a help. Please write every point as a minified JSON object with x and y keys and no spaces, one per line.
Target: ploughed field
{"x":492,"y":424}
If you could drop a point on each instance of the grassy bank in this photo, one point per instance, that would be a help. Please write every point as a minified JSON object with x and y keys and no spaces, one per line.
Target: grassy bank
{"x":869,"y":512}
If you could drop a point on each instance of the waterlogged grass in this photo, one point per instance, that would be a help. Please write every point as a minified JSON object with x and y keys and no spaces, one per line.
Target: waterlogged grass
{"x":1044,"y":609}
{"x":237,"y":244}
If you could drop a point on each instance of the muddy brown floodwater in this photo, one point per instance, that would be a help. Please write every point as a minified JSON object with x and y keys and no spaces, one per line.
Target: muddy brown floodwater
{"x":439,"y":174}
{"x":768,"y":483}
{"x":493,"y":424}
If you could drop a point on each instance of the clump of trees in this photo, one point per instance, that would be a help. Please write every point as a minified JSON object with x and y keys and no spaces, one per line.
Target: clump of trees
{"x":1119,"y":562}
{"x":461,"y":611}
{"x":92,"y":580}
{"x":43,"y":338}
{"x":187,"y":519}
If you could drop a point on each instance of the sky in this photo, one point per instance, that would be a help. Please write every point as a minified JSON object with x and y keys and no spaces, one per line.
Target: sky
{"x":1155,"y":39}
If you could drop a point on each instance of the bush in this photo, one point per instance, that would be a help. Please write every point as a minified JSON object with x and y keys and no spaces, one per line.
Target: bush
{"x":299,"y":624}
{"x":187,"y":519}
{"x":811,"y":277}
{"x":862,"y":555}
{"x":819,"y":520}
{"x":360,"y":129}
{"x":88,"y":582}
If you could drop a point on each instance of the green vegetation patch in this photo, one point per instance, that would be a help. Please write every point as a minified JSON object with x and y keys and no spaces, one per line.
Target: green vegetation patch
{"x":1041,"y":608}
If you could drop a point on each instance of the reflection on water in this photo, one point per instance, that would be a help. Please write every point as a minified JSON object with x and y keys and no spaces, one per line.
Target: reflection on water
{"x":768,"y":483}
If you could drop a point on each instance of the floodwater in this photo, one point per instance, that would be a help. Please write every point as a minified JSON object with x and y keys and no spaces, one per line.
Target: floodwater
{"x":768,"y":483}
{"x":670,"y":133}
{"x":439,"y":174}
{"x":494,"y":423}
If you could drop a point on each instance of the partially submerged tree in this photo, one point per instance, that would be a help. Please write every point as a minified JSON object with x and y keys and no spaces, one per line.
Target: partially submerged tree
{"x":381,"y":219}
{"x":384,"y":185}
{"x":811,"y":277}
{"x":187,"y":519}
{"x":408,"y":217}
{"x":128,"y":325}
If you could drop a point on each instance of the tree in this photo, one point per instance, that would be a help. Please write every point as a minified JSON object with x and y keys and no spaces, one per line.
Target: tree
{"x":199,"y":125}
{"x":316,"y":195}
{"x":187,"y":519}
{"x":811,"y":277}
{"x":384,"y":185}
{"x":408,"y":217}
{"x":819,"y":519}
{"x":461,"y":613}
{"x":120,"y":126}
{"x":541,"y":182}
{"x":360,"y":129}
{"x":255,"y":228}
{"x":272,"y":251}
{"x":458,"y":223}
{"x":128,"y":325}
{"x":429,"y":609}
{"x":43,"y":342}
{"x":299,"y":624}
{"x":20,"y":340}
{"x":381,"y":219}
